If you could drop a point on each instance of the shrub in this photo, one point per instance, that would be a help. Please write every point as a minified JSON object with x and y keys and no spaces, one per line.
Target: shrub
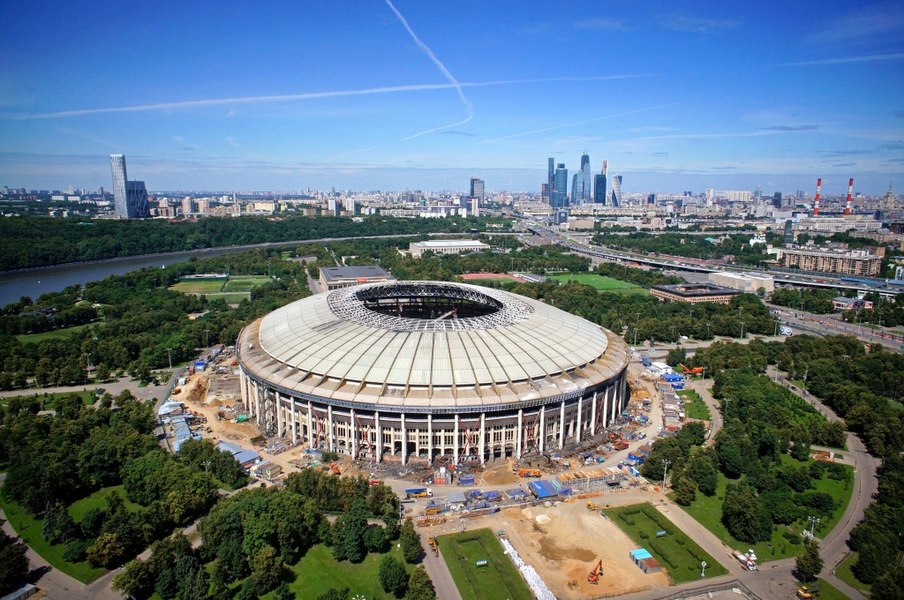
{"x":76,"y":550}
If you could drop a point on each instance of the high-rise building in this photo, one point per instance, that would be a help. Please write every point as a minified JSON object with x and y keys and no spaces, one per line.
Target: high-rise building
{"x":616,"y":190}
{"x":550,"y":179}
{"x":477,"y":188}
{"x":599,"y":184}
{"x":576,"y":188}
{"x":130,"y":199}
{"x":559,"y":195}
{"x":777,"y":200}
{"x":586,"y":178}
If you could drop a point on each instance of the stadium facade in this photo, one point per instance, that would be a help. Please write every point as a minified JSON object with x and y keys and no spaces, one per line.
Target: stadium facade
{"x":428,"y":369}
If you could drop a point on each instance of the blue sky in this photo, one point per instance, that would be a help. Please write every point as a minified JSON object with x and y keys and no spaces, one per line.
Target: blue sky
{"x":288,"y":95}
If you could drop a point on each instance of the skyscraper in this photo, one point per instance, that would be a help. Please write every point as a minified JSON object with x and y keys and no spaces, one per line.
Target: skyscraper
{"x":616,"y":190}
{"x":550,"y":179}
{"x":559,"y":194}
{"x":576,"y":188}
{"x":586,"y":178}
{"x":599,"y":185}
{"x":477,"y":188}
{"x":130,"y":198}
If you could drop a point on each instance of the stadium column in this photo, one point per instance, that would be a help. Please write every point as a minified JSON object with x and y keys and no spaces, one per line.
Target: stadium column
{"x":404,"y":441}
{"x":310,"y":425}
{"x":429,"y":438}
{"x":562,"y":425}
{"x":455,"y":443}
{"x":279,"y":416}
{"x":378,"y":452}
{"x":606,"y":407}
{"x":593,"y":416}
{"x":243,"y":381}
{"x":615,"y":406}
{"x":542,"y":428}
{"x":353,"y":428}
{"x":520,"y":434}
{"x":577,"y":425}
{"x":257,"y":402}
{"x":294,"y":423}
{"x":329,"y":424}
{"x":483,"y":436}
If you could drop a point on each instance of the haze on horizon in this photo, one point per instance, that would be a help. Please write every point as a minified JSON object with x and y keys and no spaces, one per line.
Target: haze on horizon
{"x":421,"y":95}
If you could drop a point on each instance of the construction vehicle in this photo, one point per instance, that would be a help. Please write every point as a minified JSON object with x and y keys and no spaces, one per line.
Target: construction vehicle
{"x":335,"y":469}
{"x":432,"y":510}
{"x":593,"y":506}
{"x":690,"y":371}
{"x":595,"y":573}
{"x":529,"y":473}
{"x":808,"y":593}
{"x":419,"y":492}
{"x":434,"y":546}
{"x":620,"y":444}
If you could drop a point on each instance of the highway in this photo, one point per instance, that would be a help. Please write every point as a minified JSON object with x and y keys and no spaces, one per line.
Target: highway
{"x":688,"y":264}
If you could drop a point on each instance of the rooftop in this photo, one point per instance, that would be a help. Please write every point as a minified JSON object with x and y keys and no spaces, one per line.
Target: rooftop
{"x":449,"y":243}
{"x":691,"y":290}
{"x":360,"y":272}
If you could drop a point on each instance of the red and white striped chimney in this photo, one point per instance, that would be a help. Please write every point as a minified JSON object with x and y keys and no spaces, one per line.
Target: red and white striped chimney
{"x":847,"y":206}
{"x":816,"y":200}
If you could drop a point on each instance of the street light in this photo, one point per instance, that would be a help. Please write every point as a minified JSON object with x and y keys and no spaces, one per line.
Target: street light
{"x":702,"y":569}
{"x":169,"y":354}
{"x":665,"y":470}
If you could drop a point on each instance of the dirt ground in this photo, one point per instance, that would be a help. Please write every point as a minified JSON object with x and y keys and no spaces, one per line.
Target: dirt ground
{"x":563,"y":542}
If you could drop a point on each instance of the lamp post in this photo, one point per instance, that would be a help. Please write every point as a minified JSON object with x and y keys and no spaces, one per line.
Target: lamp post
{"x":703,"y":569}
{"x":169,"y":354}
{"x":665,"y":471}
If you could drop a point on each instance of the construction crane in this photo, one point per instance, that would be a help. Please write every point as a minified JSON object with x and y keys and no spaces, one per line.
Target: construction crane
{"x":690,"y":371}
{"x":595,"y":573}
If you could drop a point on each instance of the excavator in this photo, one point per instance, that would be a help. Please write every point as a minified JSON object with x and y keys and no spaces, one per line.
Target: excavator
{"x":596,"y":573}
{"x":690,"y":371}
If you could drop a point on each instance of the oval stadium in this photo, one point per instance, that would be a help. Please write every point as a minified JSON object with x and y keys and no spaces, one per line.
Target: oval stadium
{"x":424,"y":369}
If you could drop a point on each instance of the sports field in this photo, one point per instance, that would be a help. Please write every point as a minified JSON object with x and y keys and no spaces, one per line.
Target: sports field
{"x":498,"y":579}
{"x":37,"y":338}
{"x":232,"y":290}
{"x":244,"y":283}
{"x":675,"y":551}
{"x":601,"y":283}
{"x":200,"y":286}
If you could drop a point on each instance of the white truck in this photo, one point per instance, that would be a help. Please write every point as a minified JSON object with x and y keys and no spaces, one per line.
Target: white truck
{"x":748,"y":562}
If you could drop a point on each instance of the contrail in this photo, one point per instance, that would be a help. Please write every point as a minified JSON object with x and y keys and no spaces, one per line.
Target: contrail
{"x":418,"y":87}
{"x":847,"y":59}
{"x":574,"y":124}
{"x":469,"y":108}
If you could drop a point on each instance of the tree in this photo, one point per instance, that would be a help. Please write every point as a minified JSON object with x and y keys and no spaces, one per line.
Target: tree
{"x":393,"y":577}
{"x":685,"y":491}
{"x":809,"y":564}
{"x":375,"y":538}
{"x":420,"y":587}
{"x":890,"y":586}
{"x":267,"y":568}
{"x":135,"y":580}
{"x":411,"y":542}
{"x":348,"y":533}
{"x":335,"y":594}
{"x":744,"y":516}
{"x":13,"y":563}
{"x":703,"y":471}
{"x":106,"y":551}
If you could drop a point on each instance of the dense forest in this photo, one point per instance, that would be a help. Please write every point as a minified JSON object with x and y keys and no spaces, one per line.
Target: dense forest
{"x":689,"y":246}
{"x":39,"y":241}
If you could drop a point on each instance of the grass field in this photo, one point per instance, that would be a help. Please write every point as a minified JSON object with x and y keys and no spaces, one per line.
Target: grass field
{"x":843,"y":572}
{"x":676,"y":552}
{"x":602,"y":283}
{"x":694,"y":406}
{"x":317,"y":572}
{"x":244,"y":283}
{"x":49,"y":401}
{"x":98,"y":499}
{"x":229,"y":297}
{"x":29,"y":529}
{"x":202,"y":286}
{"x":827,"y":591}
{"x":498,"y":579}
{"x":37,"y":338}
{"x":708,"y":511}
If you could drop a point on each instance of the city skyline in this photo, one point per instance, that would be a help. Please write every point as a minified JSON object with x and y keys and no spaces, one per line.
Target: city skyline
{"x":403,"y":95}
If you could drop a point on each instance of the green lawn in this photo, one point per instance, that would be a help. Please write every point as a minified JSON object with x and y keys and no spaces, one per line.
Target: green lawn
{"x":229,"y":297}
{"x":98,"y":499}
{"x":317,"y":572}
{"x":49,"y":401}
{"x":199,"y":286}
{"x":843,"y":572}
{"x":498,"y":579}
{"x":708,"y":511}
{"x":675,"y":551}
{"x":244,"y":283}
{"x":602,"y":283}
{"x":827,"y":591}
{"x":29,"y":529}
{"x":37,"y":338}
{"x":694,"y":406}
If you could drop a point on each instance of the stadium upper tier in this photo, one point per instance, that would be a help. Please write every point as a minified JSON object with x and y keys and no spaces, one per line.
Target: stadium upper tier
{"x":428,"y":344}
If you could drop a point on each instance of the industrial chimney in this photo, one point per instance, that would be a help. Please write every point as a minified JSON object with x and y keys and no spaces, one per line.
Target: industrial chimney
{"x":847,"y":205}
{"x":816,"y":200}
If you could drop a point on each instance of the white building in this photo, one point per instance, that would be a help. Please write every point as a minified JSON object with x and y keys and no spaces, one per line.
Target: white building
{"x":746,"y":282}
{"x":446,"y":247}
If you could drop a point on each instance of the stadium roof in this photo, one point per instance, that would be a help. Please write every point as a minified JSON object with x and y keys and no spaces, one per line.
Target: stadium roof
{"x":356,"y":343}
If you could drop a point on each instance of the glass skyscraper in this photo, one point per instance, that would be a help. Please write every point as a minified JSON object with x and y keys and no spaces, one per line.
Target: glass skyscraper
{"x":559,"y":193}
{"x":130,"y":198}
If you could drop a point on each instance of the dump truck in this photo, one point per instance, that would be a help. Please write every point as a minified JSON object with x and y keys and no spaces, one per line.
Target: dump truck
{"x":529,"y":473}
{"x":419,"y":492}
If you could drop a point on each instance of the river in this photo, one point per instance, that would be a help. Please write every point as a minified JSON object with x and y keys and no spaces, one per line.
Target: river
{"x":33,"y":283}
